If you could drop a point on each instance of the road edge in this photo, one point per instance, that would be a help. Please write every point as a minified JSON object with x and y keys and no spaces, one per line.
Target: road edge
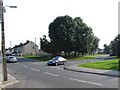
{"x":84,"y":71}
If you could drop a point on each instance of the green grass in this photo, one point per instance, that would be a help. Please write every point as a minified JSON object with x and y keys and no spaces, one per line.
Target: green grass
{"x":48,"y":57}
{"x":39,"y":58}
{"x":105,"y":65}
{"x":86,"y":57}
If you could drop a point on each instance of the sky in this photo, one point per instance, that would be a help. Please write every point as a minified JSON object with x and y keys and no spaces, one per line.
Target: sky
{"x":31,"y":18}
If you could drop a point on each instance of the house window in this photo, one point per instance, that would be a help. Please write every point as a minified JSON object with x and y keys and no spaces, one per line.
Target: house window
{"x":33,"y":47}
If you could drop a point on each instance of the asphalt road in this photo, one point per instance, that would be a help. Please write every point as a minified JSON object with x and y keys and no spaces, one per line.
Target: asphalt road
{"x":34,"y":74}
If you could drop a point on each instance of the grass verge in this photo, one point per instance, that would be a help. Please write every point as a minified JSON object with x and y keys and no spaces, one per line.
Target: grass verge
{"x":48,"y":57}
{"x":104,"y":65}
{"x":39,"y":58}
{"x":86,"y":57}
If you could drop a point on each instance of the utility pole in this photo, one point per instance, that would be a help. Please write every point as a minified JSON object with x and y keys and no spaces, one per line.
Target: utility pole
{"x":4,"y":65}
{"x":10,"y":47}
{"x":3,"y":51}
{"x":35,"y":46}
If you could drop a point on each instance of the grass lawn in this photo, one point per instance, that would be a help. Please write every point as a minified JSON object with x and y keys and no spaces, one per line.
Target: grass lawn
{"x":39,"y":58}
{"x":86,"y":57}
{"x":105,"y":65}
{"x":48,"y":57}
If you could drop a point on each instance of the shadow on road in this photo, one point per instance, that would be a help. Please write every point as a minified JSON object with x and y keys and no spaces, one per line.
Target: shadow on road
{"x":23,"y":60}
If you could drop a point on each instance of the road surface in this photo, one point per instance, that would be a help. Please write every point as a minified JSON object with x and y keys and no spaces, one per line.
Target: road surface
{"x":34,"y":74}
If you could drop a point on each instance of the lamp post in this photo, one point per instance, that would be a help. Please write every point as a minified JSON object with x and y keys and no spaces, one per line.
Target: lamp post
{"x":3,"y":54}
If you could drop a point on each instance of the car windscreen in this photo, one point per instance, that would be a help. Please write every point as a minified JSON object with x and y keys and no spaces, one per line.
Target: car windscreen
{"x":54,"y":59}
{"x":11,"y":57}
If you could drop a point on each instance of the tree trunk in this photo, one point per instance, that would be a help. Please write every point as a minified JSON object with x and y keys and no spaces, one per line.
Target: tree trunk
{"x":78,"y":54}
{"x":65,"y":53}
{"x":82,"y":54}
{"x":69,"y":54}
{"x":75,"y":53}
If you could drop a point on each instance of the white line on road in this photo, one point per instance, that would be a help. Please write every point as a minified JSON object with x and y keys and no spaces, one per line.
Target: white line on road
{"x":85,"y":81}
{"x":31,"y":68}
{"x":51,"y":74}
{"x":34,"y":69}
{"x":25,"y":66}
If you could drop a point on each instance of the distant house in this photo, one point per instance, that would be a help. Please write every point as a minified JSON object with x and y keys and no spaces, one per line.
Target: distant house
{"x":28,"y":48}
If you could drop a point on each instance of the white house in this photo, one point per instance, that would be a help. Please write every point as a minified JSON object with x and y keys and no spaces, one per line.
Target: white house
{"x":28,"y":48}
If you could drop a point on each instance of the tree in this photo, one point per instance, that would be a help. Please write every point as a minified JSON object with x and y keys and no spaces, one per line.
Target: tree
{"x":118,"y":45}
{"x":84,"y":39}
{"x":61,"y":32}
{"x":106,"y":49}
{"x":80,"y":39}
{"x":115,"y":46}
{"x":68,"y":35}
{"x":94,"y":44}
{"x":45,"y":44}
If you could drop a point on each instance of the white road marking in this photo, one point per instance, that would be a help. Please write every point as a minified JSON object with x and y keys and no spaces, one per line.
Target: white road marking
{"x":85,"y":81}
{"x":34,"y":69}
{"x":51,"y":74}
{"x":25,"y":66}
{"x":31,"y":68}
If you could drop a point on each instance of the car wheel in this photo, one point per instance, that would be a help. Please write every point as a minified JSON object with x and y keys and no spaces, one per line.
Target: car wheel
{"x":64,"y":63}
{"x":56,"y":64}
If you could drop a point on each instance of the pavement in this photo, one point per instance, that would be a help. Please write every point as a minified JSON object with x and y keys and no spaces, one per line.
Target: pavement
{"x":93,"y":71}
{"x":11,"y":79}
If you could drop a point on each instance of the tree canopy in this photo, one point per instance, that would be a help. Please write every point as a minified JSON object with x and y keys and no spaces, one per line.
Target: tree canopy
{"x":115,"y":46}
{"x":69,"y":35}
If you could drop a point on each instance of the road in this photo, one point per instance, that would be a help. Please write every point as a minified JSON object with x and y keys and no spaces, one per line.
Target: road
{"x":34,"y":74}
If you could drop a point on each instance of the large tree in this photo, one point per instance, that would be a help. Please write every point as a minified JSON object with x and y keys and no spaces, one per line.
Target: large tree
{"x":84,"y":39}
{"x":61,"y":32}
{"x":45,"y":44}
{"x":106,"y":49}
{"x":94,"y":44}
{"x":68,"y":35}
{"x":115,"y":46}
{"x":80,"y":36}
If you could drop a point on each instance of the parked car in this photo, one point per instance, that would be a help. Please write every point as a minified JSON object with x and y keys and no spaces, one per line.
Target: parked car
{"x":111,"y":54}
{"x":11,"y":59}
{"x":56,"y":61}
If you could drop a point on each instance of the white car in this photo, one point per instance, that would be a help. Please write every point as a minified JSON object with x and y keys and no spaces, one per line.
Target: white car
{"x":11,"y":59}
{"x":56,"y":61}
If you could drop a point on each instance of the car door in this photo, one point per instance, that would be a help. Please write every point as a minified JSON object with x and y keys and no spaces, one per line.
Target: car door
{"x":60,"y":60}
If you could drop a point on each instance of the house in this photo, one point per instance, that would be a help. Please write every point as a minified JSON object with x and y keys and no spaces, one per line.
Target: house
{"x":28,"y":48}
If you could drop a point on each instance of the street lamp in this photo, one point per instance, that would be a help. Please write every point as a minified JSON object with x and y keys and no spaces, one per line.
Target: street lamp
{"x":4,"y":10}
{"x":3,"y":54}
